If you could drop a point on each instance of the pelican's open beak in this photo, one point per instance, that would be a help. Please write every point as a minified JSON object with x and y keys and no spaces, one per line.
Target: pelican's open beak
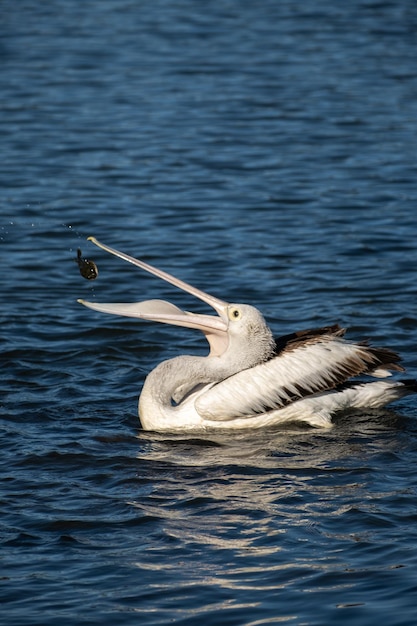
{"x":213,"y":327}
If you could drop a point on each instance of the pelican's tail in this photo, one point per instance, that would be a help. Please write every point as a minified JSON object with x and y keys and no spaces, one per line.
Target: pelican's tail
{"x":319,"y":409}
{"x":372,"y":395}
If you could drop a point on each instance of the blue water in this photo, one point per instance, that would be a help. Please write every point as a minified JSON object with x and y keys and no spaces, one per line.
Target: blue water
{"x":267,"y":153}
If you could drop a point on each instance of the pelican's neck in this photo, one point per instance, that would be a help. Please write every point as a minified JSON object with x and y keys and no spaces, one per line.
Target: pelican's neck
{"x":168,"y":385}
{"x":172,"y":380}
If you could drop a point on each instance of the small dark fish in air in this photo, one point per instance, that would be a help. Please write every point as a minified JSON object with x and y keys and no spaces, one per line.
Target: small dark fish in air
{"x":88,"y":269}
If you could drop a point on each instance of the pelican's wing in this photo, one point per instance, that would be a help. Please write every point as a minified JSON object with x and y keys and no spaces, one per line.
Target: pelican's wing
{"x":307,"y":363}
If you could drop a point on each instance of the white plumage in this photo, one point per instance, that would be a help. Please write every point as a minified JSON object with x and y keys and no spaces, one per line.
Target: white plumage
{"x":250,"y":380}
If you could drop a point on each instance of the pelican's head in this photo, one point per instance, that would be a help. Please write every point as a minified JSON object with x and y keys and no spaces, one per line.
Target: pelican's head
{"x":235,"y":327}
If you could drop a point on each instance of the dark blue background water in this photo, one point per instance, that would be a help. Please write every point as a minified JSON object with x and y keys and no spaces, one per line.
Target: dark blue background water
{"x":266,"y":152}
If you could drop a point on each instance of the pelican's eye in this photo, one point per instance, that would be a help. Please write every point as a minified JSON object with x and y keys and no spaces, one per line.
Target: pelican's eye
{"x":235,"y":314}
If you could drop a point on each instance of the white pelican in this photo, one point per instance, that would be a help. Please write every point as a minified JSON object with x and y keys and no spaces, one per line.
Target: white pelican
{"x":249,"y":379}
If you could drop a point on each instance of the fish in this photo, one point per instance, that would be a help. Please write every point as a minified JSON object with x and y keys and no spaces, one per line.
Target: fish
{"x":88,"y":269}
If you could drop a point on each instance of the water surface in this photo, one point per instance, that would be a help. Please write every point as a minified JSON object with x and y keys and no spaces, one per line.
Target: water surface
{"x":267,"y":154}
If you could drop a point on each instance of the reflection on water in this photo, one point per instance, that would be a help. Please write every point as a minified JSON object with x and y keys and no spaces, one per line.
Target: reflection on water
{"x":287,"y":513}
{"x":293,"y":447}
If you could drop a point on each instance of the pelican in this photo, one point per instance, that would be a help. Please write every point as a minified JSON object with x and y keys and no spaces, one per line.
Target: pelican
{"x":250,"y":380}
